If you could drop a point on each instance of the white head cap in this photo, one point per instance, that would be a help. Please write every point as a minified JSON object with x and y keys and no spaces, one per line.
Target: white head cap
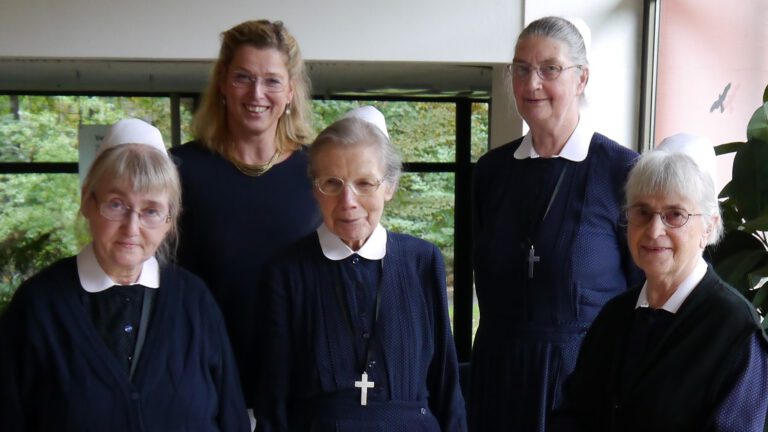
{"x":698,"y":147}
{"x":586,"y":32}
{"x":371,"y":115}
{"x":133,"y":131}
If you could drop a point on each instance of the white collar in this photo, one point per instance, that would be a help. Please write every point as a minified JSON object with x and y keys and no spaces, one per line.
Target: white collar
{"x":94,"y":279}
{"x":334,"y":249}
{"x":575,"y":149}
{"x":681,"y":293}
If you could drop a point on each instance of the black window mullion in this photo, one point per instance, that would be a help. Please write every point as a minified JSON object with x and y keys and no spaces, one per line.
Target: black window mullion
{"x":462,"y":261}
{"x":38,"y":167}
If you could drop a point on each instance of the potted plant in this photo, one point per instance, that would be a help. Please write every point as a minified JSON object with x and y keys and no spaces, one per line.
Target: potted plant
{"x":742,"y":257}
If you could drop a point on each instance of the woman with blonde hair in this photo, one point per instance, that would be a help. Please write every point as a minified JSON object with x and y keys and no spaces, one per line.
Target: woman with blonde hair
{"x":244,"y":179}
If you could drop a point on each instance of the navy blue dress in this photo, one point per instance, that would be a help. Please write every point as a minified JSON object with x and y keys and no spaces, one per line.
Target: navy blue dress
{"x":530,"y":329}
{"x":315,"y":353}
{"x":57,"y":373}
{"x":704,"y":368}
{"x":231,"y":224}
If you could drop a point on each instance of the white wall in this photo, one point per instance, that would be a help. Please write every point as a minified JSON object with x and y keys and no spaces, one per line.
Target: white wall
{"x":615,"y":60}
{"x":473,"y":32}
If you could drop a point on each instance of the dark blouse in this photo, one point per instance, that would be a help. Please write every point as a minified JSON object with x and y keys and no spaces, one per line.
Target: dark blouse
{"x":314,"y":355}
{"x":57,"y":372}
{"x":231,"y":224}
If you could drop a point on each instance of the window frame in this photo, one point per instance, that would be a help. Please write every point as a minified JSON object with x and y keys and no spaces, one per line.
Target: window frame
{"x":462,"y":168}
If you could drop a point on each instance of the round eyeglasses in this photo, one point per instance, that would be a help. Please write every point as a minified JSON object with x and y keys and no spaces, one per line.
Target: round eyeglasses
{"x":269,"y":84}
{"x":640,"y":215}
{"x":116,"y":210}
{"x":361,"y":187}
{"x":547,"y":72}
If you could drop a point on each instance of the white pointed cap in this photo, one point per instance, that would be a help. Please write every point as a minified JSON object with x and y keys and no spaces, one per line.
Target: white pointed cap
{"x":133,"y":131}
{"x":371,"y":115}
{"x":698,"y":147}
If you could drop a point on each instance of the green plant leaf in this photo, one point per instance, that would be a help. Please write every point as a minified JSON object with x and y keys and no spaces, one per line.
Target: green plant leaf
{"x":756,"y":278}
{"x":732,"y":243}
{"x":765,"y":94}
{"x":749,"y":183}
{"x":757,"y":128}
{"x":726,"y":191}
{"x":730,"y":147}
{"x":735,"y":268}
{"x":757,"y":224}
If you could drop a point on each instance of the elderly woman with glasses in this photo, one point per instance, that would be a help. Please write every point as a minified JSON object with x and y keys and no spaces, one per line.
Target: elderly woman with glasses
{"x":684,"y":351}
{"x":549,"y":250}
{"x":357,"y":323}
{"x":117,"y":338}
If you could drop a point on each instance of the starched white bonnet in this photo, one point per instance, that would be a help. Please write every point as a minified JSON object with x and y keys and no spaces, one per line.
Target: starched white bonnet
{"x":371,"y":115}
{"x":698,"y":147}
{"x":133,"y":131}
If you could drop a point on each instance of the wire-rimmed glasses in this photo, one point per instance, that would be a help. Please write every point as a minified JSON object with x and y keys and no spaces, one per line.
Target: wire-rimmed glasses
{"x":116,"y":210}
{"x":271,"y":84}
{"x":363,"y":186}
{"x":547,"y":72}
{"x":672,"y":217}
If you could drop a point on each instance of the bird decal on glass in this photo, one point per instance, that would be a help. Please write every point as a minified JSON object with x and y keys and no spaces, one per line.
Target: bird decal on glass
{"x":720,"y":99}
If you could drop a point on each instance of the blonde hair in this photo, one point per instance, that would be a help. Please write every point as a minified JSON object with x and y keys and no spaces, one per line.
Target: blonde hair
{"x":294,"y":129}
{"x":145,"y":170}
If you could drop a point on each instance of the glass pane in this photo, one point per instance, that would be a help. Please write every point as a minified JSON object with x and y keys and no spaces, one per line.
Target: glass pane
{"x":422,"y":131}
{"x":423,"y":207}
{"x":44,"y":128}
{"x":479,"y":130}
{"x":37,"y":225}
{"x":187,"y":108}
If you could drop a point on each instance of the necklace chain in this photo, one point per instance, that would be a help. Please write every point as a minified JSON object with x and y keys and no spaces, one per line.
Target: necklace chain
{"x":256,"y":170}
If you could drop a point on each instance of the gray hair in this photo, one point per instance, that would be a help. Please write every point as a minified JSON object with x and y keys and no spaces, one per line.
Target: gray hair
{"x":562,"y":30}
{"x":146,"y":170}
{"x":355,"y":132}
{"x":559,"y":29}
{"x":661,"y":172}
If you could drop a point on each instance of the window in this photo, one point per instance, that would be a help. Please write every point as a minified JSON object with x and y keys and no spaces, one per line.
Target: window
{"x":439,"y":140}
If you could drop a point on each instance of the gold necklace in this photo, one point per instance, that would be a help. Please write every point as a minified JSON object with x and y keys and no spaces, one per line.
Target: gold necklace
{"x":256,"y":170}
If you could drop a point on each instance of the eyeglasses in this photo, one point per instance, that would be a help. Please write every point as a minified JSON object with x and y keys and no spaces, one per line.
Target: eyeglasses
{"x":116,"y":210}
{"x":361,"y":187}
{"x":269,"y":84}
{"x":640,"y":215}
{"x":547,"y":72}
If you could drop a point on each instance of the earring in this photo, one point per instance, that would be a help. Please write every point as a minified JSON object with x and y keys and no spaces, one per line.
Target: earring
{"x":288,"y":108}
{"x":224,"y":101}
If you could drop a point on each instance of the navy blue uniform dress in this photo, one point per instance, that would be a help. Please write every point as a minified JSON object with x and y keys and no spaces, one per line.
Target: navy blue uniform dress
{"x":703,"y":368}
{"x":231,"y":224}
{"x":531,"y":328}
{"x":58,"y":374}
{"x":320,"y":324}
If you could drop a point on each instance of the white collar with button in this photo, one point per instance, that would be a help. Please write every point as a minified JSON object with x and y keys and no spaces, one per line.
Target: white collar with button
{"x":93,"y":278}
{"x":681,"y":293}
{"x":335,"y":249}
{"x":575,"y":149}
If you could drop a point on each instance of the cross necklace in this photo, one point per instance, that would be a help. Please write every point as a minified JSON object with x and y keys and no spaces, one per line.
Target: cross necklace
{"x":532,"y":258}
{"x":363,"y":384}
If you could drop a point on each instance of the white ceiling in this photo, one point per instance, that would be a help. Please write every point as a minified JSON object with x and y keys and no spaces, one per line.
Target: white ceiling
{"x":328,"y":78}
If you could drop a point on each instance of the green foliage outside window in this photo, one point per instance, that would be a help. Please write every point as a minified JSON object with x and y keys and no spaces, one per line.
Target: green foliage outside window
{"x":38,"y":211}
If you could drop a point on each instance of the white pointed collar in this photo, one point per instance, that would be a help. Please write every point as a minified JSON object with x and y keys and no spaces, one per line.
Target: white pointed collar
{"x":335,"y":249}
{"x":682,"y":292}
{"x":575,"y":149}
{"x":94,"y":279}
